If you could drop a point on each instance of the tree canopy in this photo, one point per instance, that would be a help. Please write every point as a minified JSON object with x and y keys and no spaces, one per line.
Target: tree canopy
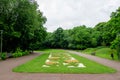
{"x":22,"y":24}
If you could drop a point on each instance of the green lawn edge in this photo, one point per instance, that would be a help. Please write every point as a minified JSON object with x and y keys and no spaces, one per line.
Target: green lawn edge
{"x":103,"y":52}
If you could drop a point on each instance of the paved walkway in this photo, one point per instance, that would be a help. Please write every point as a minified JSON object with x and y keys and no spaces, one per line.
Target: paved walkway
{"x":7,"y":74}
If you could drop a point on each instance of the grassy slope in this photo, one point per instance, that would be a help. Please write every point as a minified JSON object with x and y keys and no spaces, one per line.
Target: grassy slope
{"x":35,"y":65}
{"x":103,"y":52}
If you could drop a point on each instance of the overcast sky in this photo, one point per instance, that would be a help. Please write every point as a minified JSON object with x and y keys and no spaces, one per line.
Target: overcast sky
{"x":70,"y":13}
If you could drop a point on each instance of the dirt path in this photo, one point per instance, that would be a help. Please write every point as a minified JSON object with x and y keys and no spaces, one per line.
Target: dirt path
{"x":7,"y":74}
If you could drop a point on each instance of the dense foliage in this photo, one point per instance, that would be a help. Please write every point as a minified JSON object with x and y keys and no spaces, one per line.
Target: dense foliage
{"x":22,"y":25}
{"x":79,"y":37}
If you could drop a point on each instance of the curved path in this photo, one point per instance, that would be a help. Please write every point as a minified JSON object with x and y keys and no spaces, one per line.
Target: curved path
{"x":7,"y":74}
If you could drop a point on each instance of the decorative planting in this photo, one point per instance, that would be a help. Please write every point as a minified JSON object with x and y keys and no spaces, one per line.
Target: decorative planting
{"x":62,"y":59}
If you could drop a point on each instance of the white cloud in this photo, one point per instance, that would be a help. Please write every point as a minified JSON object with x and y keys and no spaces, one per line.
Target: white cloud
{"x":70,"y":13}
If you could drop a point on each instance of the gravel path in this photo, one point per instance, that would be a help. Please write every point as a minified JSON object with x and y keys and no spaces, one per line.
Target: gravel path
{"x":7,"y":74}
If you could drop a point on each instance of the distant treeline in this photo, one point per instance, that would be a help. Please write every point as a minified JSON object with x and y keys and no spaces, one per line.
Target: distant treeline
{"x":82,"y":37}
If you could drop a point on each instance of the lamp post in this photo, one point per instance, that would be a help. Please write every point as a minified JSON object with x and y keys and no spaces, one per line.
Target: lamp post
{"x":1,"y":41}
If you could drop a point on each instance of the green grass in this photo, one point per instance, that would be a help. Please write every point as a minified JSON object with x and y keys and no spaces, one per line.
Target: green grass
{"x":103,"y":52}
{"x":35,"y":65}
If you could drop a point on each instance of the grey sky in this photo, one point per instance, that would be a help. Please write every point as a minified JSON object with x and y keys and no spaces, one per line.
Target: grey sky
{"x":70,"y":13}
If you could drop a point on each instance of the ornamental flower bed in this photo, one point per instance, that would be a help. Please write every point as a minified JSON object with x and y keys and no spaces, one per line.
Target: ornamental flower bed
{"x":71,"y":61}
{"x":62,"y":59}
{"x":51,"y":63}
{"x":53,"y":58}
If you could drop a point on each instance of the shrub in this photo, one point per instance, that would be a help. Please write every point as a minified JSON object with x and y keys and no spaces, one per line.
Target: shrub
{"x":26,"y":52}
{"x":15,"y":55}
{"x":20,"y":53}
{"x":3,"y":56}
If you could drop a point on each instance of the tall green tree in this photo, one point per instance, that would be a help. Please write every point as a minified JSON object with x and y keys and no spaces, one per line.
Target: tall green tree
{"x":22,"y":23}
{"x":116,"y":45}
{"x":114,"y":28}
{"x":58,"y":38}
{"x":81,"y":37}
{"x":113,"y":25}
{"x":7,"y":21}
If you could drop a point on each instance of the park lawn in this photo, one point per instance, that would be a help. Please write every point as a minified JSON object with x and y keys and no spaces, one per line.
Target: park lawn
{"x":35,"y":65}
{"x":103,"y":52}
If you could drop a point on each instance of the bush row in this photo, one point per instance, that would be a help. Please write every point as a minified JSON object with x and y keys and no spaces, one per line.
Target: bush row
{"x":17,"y":53}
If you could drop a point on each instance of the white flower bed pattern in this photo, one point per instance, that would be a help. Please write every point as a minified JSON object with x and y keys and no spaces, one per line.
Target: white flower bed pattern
{"x":67,"y":60}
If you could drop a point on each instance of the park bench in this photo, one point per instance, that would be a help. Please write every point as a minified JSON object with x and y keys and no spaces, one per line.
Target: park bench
{"x":9,"y":55}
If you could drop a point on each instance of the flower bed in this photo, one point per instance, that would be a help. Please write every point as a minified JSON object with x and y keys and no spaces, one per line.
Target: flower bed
{"x":62,"y":59}
{"x":53,"y":58}
{"x":71,"y":61}
{"x":51,"y":63}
